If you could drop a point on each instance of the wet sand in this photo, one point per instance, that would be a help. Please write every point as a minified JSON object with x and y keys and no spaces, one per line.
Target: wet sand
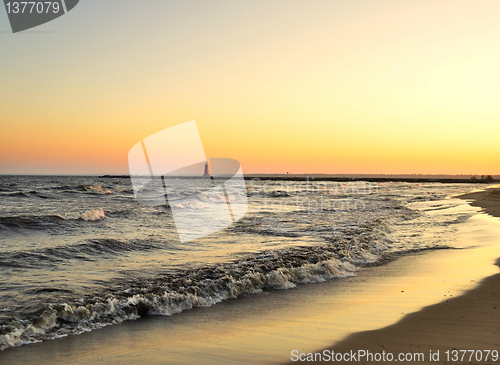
{"x":467,"y":322}
{"x":488,"y":201}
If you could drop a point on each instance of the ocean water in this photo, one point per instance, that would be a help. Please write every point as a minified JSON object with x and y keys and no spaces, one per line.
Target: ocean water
{"x":80,"y":253}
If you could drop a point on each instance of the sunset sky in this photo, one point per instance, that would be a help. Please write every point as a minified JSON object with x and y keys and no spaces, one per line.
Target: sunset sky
{"x":356,"y":86}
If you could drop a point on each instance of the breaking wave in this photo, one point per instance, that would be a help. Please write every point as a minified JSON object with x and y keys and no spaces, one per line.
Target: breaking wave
{"x":288,"y":237}
{"x":47,"y":221}
{"x":183,"y":290}
{"x":87,"y":250}
{"x":171,"y":294}
{"x":89,"y":215}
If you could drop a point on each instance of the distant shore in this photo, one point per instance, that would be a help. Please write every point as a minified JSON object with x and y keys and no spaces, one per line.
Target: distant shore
{"x":452,"y":179}
{"x":467,"y":322}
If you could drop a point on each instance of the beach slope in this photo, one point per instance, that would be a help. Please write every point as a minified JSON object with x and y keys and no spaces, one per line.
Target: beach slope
{"x":467,"y":322}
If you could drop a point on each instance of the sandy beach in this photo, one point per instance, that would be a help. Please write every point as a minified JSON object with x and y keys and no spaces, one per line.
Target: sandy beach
{"x":468,"y":322}
{"x":488,"y":201}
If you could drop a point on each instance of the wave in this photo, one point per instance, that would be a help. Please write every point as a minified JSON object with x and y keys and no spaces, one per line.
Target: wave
{"x":342,"y":241}
{"x":252,"y":191}
{"x":20,"y":194}
{"x":95,"y":189}
{"x":87,"y":251}
{"x":23,"y":194}
{"x":338,"y":257}
{"x":89,"y":215}
{"x":171,"y":294}
{"x":92,"y":189}
{"x":47,"y":221}
{"x":29,"y":221}
{"x":279,"y":194}
{"x":38,"y":194}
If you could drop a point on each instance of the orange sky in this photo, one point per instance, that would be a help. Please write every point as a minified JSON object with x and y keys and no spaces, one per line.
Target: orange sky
{"x":305,"y":87}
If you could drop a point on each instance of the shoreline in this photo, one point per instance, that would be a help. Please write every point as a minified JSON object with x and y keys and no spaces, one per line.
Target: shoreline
{"x":470,"y":321}
{"x":263,"y":328}
{"x":488,"y":201}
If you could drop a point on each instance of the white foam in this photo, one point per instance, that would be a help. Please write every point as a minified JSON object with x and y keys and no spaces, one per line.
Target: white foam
{"x":89,"y":215}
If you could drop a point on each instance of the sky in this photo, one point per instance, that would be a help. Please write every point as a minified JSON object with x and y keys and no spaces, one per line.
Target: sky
{"x":339,"y":87}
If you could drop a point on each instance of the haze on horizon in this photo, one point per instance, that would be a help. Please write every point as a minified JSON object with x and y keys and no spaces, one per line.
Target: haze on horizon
{"x":333,"y":87}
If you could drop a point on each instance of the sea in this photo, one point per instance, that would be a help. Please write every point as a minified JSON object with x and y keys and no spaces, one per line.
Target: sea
{"x":78,"y":253}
